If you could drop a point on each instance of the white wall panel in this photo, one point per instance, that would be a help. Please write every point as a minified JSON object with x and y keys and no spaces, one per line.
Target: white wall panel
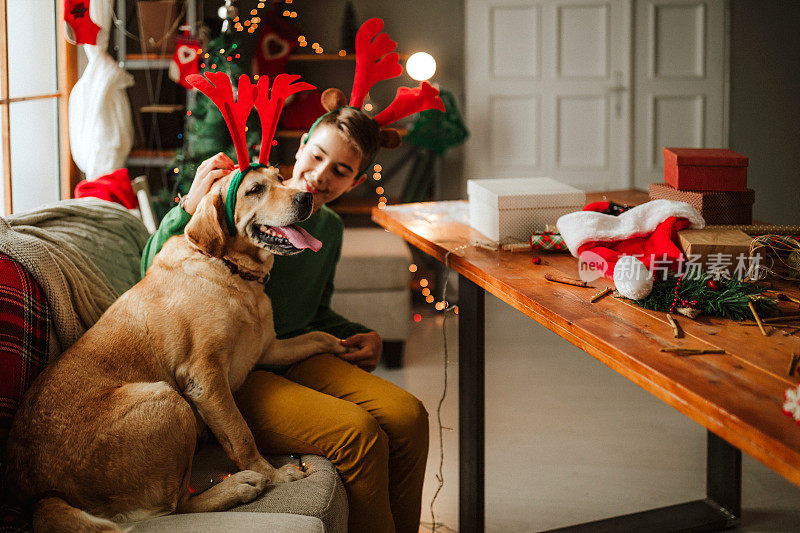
{"x":514,"y":131}
{"x":515,"y":41}
{"x":677,"y":121}
{"x":583,"y":45}
{"x":582,"y":132}
{"x":679,"y":40}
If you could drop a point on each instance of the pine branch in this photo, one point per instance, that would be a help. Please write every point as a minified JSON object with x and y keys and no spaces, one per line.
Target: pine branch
{"x":728,"y":301}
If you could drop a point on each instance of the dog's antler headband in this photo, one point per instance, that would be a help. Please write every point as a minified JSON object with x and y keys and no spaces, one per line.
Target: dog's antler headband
{"x":217,"y":86}
{"x":376,"y":61}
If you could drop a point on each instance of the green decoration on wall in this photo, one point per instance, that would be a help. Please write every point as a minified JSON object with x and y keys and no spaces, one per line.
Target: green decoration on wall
{"x":432,"y":134}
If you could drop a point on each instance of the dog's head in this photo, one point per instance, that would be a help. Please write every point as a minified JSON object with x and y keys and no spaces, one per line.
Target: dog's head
{"x":263,"y":220}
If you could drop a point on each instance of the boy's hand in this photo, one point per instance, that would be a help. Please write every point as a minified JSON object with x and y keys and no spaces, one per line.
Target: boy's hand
{"x":365,"y":350}
{"x":207,"y":173}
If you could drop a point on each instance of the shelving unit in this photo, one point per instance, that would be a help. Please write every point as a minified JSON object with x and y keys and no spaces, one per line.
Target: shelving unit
{"x":332,"y":57}
{"x":148,"y":61}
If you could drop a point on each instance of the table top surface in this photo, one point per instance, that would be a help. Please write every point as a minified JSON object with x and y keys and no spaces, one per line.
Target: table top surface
{"x":737,"y":395}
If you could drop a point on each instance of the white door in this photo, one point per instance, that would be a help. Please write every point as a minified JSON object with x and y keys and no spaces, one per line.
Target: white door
{"x":681,"y":66}
{"x":547,"y":90}
{"x":551,"y":91}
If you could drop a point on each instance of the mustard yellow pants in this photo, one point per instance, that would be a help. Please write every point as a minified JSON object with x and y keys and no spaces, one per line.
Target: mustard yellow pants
{"x":373,"y":431}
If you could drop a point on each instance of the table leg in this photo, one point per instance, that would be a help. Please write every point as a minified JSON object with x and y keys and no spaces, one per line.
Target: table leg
{"x":721,"y":509}
{"x":471,"y":318}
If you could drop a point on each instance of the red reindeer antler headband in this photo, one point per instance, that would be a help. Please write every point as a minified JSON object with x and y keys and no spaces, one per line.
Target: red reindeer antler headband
{"x":376,"y":61}
{"x":217,"y":86}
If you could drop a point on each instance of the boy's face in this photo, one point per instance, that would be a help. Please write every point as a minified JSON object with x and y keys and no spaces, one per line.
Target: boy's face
{"x":327,"y":166}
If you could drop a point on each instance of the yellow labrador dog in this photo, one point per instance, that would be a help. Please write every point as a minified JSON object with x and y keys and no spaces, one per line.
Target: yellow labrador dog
{"x":107,"y":433}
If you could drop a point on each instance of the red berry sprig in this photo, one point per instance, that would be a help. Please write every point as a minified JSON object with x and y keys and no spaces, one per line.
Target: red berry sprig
{"x":713,"y":285}
{"x":677,"y":296}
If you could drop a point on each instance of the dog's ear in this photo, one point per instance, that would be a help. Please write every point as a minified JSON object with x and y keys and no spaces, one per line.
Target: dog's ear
{"x":206,"y":229}
{"x":333,"y":99}
{"x":390,"y":138}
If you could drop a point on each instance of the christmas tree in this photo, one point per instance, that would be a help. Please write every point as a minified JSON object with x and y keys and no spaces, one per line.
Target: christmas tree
{"x":205,"y":132}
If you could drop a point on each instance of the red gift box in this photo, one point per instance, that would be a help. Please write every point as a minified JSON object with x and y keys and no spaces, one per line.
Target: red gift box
{"x":716,"y":207}
{"x":705,"y":169}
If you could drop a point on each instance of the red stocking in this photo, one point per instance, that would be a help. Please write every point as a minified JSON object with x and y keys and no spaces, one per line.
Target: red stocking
{"x":184,"y":61}
{"x":277,"y":40}
{"x":79,"y":26}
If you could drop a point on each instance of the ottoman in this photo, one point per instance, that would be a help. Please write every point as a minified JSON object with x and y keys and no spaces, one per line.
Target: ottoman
{"x":371,"y":286}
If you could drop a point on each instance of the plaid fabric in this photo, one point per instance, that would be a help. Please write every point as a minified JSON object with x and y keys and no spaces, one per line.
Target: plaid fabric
{"x":548,"y":240}
{"x":24,"y":346}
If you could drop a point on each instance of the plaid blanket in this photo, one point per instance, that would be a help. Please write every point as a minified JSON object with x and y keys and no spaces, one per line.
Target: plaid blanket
{"x":24,"y":327}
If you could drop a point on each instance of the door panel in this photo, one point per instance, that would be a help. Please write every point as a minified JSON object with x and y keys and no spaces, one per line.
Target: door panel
{"x":551,"y":89}
{"x":547,"y":90}
{"x":680,"y":82}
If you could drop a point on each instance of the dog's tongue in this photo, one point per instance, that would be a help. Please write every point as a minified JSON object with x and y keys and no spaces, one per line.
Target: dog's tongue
{"x":299,"y":237}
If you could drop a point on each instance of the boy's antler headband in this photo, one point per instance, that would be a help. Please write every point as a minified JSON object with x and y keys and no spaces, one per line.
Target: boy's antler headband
{"x":217,"y":86}
{"x":376,"y":61}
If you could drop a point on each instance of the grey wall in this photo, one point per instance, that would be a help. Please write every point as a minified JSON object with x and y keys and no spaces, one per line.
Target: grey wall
{"x":765,"y":103}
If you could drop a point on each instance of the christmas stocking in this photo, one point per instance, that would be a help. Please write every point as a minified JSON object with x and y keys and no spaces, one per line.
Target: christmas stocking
{"x":78,"y":26}
{"x":278,"y":39}
{"x":184,"y":60}
{"x":648,"y":233}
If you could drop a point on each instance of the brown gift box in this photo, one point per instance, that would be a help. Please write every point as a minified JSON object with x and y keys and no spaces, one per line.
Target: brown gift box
{"x":158,"y":25}
{"x":716,"y":207}
{"x":704,"y":242}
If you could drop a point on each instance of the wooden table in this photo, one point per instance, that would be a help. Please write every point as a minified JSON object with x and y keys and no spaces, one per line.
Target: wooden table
{"x":737,"y":396}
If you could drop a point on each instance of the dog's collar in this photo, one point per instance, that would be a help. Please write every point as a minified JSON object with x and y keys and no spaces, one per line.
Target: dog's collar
{"x":234,"y":268}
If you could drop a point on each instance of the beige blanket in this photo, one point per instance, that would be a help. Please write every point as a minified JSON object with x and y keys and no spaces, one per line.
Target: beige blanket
{"x":84,"y":253}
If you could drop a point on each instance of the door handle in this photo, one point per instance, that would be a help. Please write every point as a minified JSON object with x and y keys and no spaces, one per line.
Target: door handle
{"x":616,"y":91}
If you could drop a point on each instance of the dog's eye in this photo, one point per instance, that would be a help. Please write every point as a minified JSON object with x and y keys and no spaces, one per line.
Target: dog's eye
{"x":258,"y":188}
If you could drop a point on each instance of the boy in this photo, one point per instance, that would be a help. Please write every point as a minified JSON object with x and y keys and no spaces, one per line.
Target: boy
{"x":374,"y":432}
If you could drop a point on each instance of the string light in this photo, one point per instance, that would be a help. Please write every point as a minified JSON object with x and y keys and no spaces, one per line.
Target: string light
{"x":412,"y":268}
{"x":342,"y":53}
{"x":368,"y":107}
{"x":381,"y":205}
{"x":315,"y":46}
{"x":423,"y":282}
{"x":253,"y":11}
{"x":439,"y":306}
{"x":382,"y":199}
{"x":417,"y":317}
{"x":376,"y":176}
{"x":429,"y":299}
{"x":426,"y":291}
{"x":377,"y":168}
{"x":285,"y":13}
{"x":293,"y":14}
{"x":379,"y":190}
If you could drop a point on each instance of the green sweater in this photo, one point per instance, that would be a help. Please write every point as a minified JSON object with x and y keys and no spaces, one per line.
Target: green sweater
{"x":300,"y":286}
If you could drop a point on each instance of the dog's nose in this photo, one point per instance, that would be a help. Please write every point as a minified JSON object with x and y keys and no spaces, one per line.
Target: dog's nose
{"x":304,"y":201}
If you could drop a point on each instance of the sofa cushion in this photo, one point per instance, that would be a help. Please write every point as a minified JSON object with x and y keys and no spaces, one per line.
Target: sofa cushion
{"x":372,"y":258}
{"x":227,"y":522}
{"x":24,"y":328}
{"x":321,"y":494}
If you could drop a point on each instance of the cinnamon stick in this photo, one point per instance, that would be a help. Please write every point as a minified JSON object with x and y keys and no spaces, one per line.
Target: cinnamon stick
{"x":517,"y":247}
{"x":793,"y":364}
{"x":758,"y":318}
{"x":786,"y":318}
{"x":676,"y":329}
{"x":690,"y":351}
{"x":600,"y":294}
{"x":567,"y":281}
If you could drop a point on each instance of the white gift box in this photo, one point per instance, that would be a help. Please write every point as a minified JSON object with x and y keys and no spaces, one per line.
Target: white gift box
{"x":514,"y":208}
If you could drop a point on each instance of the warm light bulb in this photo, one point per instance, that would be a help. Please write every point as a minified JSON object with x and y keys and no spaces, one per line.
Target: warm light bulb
{"x":421,"y":66}
{"x":222,"y":12}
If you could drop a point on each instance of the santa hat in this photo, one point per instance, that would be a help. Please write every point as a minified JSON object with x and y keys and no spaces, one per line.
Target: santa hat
{"x":647,"y":233}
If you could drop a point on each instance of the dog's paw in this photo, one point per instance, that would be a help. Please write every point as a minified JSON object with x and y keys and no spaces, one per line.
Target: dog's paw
{"x":330,"y":344}
{"x":286,"y":473}
{"x":249,"y":484}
